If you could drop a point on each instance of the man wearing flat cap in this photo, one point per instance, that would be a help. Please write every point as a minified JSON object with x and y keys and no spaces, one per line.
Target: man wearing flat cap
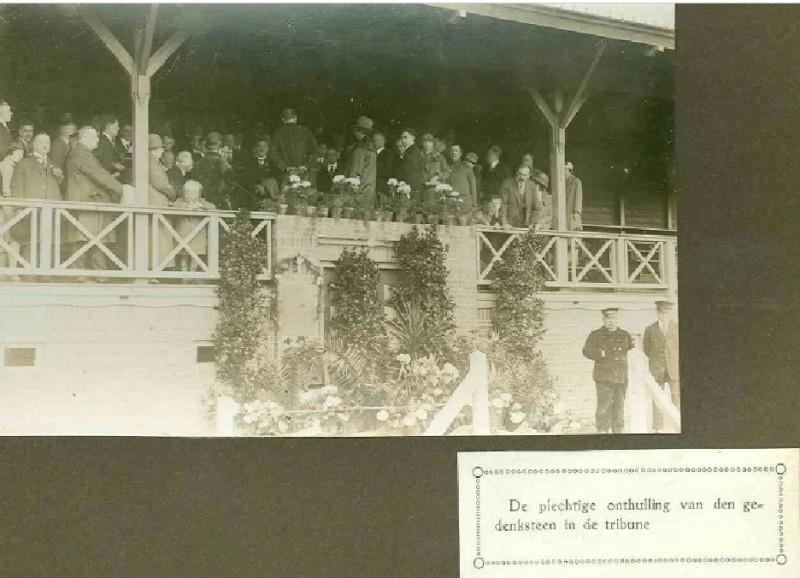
{"x":660,"y":345}
{"x":608,"y":347}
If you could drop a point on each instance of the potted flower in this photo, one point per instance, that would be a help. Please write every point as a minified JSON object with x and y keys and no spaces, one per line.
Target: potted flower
{"x":338,"y":196}
{"x":445,"y":191}
{"x":431,"y":208}
{"x":453,"y":204}
{"x":463,"y":213}
{"x":401,"y":198}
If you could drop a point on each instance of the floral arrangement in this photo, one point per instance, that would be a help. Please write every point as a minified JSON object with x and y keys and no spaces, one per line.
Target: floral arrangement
{"x":265,"y":417}
{"x":401,"y":195}
{"x":299,"y":191}
{"x":344,"y":190}
{"x":417,"y":391}
{"x":325,"y":407}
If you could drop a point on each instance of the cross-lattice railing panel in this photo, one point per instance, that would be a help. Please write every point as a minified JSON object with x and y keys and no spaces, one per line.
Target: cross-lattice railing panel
{"x":574,"y":259}
{"x":63,"y":239}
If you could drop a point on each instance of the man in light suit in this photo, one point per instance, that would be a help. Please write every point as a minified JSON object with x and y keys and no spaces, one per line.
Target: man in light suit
{"x":660,"y":344}
{"x":522,"y":198}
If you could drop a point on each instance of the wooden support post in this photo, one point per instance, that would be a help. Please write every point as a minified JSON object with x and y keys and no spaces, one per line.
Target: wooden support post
{"x":140,"y":101}
{"x":672,"y":268}
{"x":479,"y":364}
{"x":46,"y":238}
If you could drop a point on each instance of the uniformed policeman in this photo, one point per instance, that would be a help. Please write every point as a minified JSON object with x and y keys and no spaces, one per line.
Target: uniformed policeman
{"x":660,"y":344}
{"x":608,"y":347}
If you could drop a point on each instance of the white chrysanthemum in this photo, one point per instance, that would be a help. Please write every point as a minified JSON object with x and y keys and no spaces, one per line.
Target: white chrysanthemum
{"x":409,"y":420}
{"x":338,"y":178}
{"x":498,"y":403}
{"x":305,"y":184}
{"x":505,"y":396}
{"x":403,"y":358}
{"x":294,"y":179}
{"x":332,"y":401}
{"x":382,"y":415}
{"x":421,"y":414}
{"x":442,"y":187}
{"x":392,"y":182}
{"x":517,"y":417}
{"x":450,"y":369}
{"x":401,"y":184}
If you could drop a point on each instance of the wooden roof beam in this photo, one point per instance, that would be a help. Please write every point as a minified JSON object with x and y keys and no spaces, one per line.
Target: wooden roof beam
{"x":106,"y":37}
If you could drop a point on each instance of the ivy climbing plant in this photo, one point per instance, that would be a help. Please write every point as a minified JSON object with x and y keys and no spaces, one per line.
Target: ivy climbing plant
{"x":424,"y":295}
{"x":243,"y":364}
{"x":358,"y":308}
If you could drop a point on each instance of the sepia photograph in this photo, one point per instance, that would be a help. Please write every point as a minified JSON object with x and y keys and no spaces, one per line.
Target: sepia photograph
{"x":311,"y":220}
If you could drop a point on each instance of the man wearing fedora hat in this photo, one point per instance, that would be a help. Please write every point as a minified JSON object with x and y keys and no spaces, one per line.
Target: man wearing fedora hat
{"x":292,"y":145}
{"x":462,"y":177}
{"x":660,"y":345}
{"x":362,"y":161}
{"x":608,"y":347}
{"x":522,"y":199}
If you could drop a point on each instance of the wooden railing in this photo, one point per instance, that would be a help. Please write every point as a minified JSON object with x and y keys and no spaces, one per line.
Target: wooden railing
{"x":615,"y":260}
{"x":62,"y":239}
{"x":644,"y":393}
{"x":473,"y":390}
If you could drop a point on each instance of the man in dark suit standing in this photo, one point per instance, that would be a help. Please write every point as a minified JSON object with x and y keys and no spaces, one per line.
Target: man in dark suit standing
{"x":258,"y":177}
{"x":330,"y":168}
{"x":660,"y":345}
{"x":522,"y":199}
{"x":5,"y":133}
{"x":411,"y":163}
{"x":385,"y":165}
{"x":293,"y":146}
{"x":107,"y":151}
{"x":608,"y":347}
{"x":493,"y":174}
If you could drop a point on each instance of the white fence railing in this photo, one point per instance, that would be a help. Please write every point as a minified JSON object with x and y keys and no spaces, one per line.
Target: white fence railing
{"x":63,"y":239}
{"x":589,"y":259}
{"x":644,"y":393}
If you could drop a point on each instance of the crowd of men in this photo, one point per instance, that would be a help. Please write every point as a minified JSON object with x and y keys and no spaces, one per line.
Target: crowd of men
{"x":93,"y":163}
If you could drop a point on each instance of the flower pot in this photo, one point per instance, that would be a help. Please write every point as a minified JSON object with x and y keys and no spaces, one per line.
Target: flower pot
{"x":322,"y":212}
{"x":336,"y":212}
{"x":347,"y":212}
{"x":402,"y":216}
{"x":418,"y":219}
{"x":310,"y":211}
{"x":433,"y":219}
{"x":282,"y":208}
{"x":449,"y":220}
{"x":373,"y":216}
{"x":463,"y":220}
{"x":387,"y":216}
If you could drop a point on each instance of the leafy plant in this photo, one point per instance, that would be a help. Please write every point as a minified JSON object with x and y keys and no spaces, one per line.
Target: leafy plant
{"x":358,"y":307}
{"x":242,"y":360}
{"x":425,"y":293}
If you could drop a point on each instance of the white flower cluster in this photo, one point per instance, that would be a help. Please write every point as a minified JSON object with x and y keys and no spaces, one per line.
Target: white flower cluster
{"x":443,"y":188}
{"x":338,"y":179}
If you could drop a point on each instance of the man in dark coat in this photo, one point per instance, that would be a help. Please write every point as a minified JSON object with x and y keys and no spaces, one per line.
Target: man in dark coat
{"x":385,"y":158}
{"x":212,"y":172}
{"x":330,"y":168}
{"x":362,"y":163}
{"x":411,"y":164}
{"x":660,"y":345}
{"x":258,"y":176}
{"x":608,"y":347}
{"x":293,"y":146}
{"x":522,"y":199}
{"x":107,"y":151}
{"x":493,"y":174}
{"x":5,"y":133}
{"x":60,"y":146}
